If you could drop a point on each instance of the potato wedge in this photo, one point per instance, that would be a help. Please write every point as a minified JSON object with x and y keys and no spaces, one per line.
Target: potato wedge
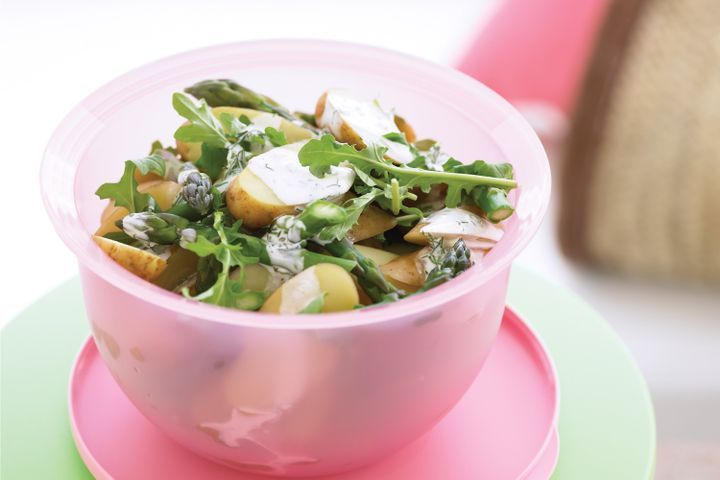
{"x":275,"y":183}
{"x":372,"y":221}
{"x":148,"y":177}
{"x":110,"y":215}
{"x":451,"y":223}
{"x":190,"y":152}
{"x":335,"y":283}
{"x":180,"y":265}
{"x":359,"y":122}
{"x":407,"y":271}
{"x":380,"y":257}
{"x":144,"y":264}
{"x":405,"y":128}
{"x":164,"y":192}
{"x":250,"y":199}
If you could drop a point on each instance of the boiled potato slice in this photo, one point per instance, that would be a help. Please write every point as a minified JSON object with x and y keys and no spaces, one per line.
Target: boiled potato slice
{"x":190,"y":152}
{"x":359,"y":122}
{"x":110,"y":215}
{"x":148,"y":177}
{"x":380,"y":257}
{"x":164,"y":192}
{"x":331,"y":280}
{"x":180,"y":265}
{"x":144,"y":264}
{"x":407,"y":271}
{"x":275,"y":183}
{"x":451,"y":223}
{"x":293,"y":133}
{"x":250,"y":199}
{"x":372,"y":221}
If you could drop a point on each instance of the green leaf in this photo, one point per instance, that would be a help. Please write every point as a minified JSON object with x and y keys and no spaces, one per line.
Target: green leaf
{"x":481,"y":167}
{"x":326,"y":152}
{"x":276,"y":137}
{"x":157,"y":146}
{"x":227,"y":292}
{"x":152,"y":163}
{"x":121,"y":237}
{"x":227,"y":254}
{"x":315,"y":305}
{"x":396,"y":137}
{"x":354,"y":208}
{"x":212,"y":161}
{"x":321,"y":154}
{"x":493,"y":200}
{"x":124,"y":192}
{"x":203,"y":127}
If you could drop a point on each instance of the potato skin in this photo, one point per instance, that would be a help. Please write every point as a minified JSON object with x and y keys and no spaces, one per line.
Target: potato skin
{"x":346,"y":133}
{"x":416,"y":236}
{"x":406,"y":271}
{"x":145,"y":265}
{"x":320,"y":106}
{"x":405,"y":128}
{"x":372,"y":221}
{"x":244,"y":205}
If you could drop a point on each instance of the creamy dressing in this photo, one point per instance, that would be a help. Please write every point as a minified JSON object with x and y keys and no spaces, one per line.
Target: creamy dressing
{"x":454,"y":223}
{"x":282,"y":244}
{"x":367,"y":119}
{"x":292,"y":183}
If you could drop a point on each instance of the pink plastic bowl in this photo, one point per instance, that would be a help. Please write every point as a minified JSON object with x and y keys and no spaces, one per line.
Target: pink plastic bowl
{"x":291,"y":395}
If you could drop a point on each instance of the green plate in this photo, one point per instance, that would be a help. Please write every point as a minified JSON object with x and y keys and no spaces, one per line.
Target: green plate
{"x":607,"y":426}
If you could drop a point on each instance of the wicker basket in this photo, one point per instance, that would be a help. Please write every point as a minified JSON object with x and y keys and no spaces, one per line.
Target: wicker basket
{"x":641,"y":174}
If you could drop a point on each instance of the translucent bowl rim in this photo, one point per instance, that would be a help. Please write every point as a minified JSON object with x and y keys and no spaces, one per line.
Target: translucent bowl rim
{"x":128,"y":84}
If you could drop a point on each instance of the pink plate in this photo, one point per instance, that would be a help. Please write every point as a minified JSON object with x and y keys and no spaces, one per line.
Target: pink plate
{"x":503,"y":428}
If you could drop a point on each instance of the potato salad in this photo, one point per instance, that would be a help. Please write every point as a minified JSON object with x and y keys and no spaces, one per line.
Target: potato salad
{"x":259,"y":208}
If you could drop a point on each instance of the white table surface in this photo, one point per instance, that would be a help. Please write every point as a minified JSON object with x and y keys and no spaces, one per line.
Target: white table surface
{"x":55,"y":53}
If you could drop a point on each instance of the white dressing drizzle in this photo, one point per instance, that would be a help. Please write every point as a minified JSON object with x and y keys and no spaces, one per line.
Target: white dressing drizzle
{"x":367,"y":119}
{"x":281,"y":171}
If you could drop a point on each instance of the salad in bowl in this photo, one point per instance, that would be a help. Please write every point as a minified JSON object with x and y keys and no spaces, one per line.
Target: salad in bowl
{"x":258,"y":208}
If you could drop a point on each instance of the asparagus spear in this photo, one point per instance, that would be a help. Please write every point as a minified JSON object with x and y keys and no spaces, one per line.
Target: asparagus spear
{"x":196,"y":190}
{"x":493,"y":201}
{"x":159,"y":228}
{"x":287,"y":236}
{"x":454,"y":261}
{"x":224,"y":92}
{"x":368,"y":273}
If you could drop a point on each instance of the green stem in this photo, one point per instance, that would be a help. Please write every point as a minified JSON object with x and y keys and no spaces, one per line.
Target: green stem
{"x":312,"y":258}
{"x":436,"y":177}
{"x":396,"y":202}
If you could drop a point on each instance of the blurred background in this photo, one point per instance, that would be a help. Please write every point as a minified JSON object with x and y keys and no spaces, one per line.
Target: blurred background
{"x":625,"y":95}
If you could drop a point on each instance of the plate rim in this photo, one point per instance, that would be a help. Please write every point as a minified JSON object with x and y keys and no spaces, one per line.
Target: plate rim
{"x":539,"y":348}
